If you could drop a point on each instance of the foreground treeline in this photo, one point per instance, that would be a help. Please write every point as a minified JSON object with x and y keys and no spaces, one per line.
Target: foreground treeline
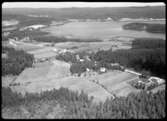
{"x":78,"y":105}
{"x":15,"y":61}
{"x":152,"y":28}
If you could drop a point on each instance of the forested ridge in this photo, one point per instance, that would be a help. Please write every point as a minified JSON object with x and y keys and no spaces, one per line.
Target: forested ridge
{"x":78,"y":105}
{"x":16,"y":61}
{"x":146,"y":54}
{"x":152,"y":28}
{"x":92,"y":13}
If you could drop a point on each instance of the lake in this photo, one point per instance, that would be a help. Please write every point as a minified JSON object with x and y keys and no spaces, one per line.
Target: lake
{"x":99,"y":30}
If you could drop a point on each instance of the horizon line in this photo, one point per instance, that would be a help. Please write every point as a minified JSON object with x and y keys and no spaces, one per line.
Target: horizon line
{"x":79,"y":4}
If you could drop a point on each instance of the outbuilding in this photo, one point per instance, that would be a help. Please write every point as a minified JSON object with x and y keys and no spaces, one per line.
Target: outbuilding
{"x":102,"y":69}
{"x":159,"y":80}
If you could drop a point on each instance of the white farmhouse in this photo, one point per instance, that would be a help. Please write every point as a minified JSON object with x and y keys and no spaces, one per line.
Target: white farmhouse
{"x":109,"y":19}
{"x":55,"y":50}
{"x":37,"y":26}
{"x":159,"y":80}
{"x":133,"y":72}
{"x":114,"y":64}
{"x":81,"y":60}
{"x":87,"y":69}
{"x":102,"y":69}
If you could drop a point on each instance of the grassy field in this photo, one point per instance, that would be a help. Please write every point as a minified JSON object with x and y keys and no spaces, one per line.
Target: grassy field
{"x":57,"y":74}
{"x":93,"y":46}
{"x":40,"y":50}
{"x":25,"y":46}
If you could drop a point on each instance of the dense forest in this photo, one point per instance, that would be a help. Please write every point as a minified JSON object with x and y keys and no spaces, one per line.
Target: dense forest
{"x":67,"y":57}
{"x":25,"y":33}
{"x":145,"y":55}
{"x":152,"y":28}
{"x":148,"y":43}
{"x":78,"y":105}
{"x":15,"y":61}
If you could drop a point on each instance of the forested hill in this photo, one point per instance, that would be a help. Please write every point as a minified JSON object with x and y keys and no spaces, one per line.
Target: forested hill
{"x":93,"y":13}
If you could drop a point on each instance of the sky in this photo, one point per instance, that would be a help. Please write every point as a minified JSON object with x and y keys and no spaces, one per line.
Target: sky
{"x":76,"y":4}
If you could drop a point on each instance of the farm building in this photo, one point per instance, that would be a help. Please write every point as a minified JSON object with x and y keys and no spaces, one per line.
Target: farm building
{"x":11,"y":42}
{"x":25,"y":39}
{"x":114,"y":64}
{"x":6,"y":34}
{"x":4,"y":55}
{"x":109,"y":19}
{"x":38,"y":26}
{"x":87,"y":69}
{"x":158,"y":80}
{"x":81,"y":60}
{"x":55,"y":50}
{"x":77,"y":57}
{"x":133,"y":72}
{"x":63,"y":51}
{"x":103,"y":69}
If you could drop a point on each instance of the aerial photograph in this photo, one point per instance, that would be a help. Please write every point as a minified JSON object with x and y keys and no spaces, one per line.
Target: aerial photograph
{"x":83,"y":60}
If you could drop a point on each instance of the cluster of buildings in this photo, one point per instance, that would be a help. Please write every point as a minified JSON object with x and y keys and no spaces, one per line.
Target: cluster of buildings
{"x":5,"y":34}
{"x":32,"y":27}
{"x":33,"y":15}
{"x":145,"y":82}
{"x":47,"y":54}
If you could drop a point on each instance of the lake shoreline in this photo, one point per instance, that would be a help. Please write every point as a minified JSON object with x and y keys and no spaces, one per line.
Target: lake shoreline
{"x":98,"y":30}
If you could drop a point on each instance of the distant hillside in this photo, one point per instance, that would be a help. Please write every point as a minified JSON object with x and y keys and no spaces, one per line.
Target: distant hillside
{"x":93,"y":13}
{"x":152,"y":28}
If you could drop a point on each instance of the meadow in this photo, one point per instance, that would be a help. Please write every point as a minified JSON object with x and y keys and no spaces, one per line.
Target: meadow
{"x":57,"y":75}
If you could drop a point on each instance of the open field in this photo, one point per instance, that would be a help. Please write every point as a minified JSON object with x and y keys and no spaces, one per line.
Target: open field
{"x":57,"y":75}
{"x":118,"y":76}
{"x":57,"y":69}
{"x":23,"y":46}
{"x":72,"y":83}
{"x":43,"y":52}
{"x":116,"y":82}
{"x":40,"y":49}
{"x":93,"y":46}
